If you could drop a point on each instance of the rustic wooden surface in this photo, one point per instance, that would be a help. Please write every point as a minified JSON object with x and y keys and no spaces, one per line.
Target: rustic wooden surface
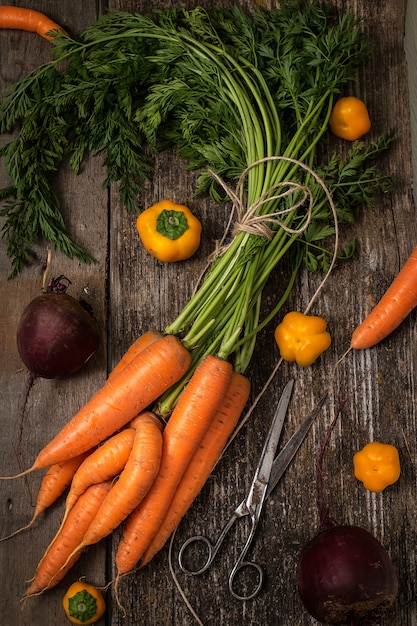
{"x":131,"y":292}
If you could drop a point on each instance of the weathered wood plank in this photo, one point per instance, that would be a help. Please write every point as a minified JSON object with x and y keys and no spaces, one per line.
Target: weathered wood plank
{"x":133,"y":292}
{"x":51,"y":403}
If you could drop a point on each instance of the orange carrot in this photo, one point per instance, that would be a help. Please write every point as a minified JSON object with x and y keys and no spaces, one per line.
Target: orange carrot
{"x":137,"y":346}
{"x":395,"y":305}
{"x":53,"y":485}
{"x":106,"y":462}
{"x":55,"y":563}
{"x":203,"y":462}
{"x":134,"y":482}
{"x":186,"y":427}
{"x":143,"y":380}
{"x":27,"y":19}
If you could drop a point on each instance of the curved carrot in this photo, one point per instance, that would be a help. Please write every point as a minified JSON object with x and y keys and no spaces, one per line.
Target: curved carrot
{"x":106,"y":462}
{"x":202,"y":463}
{"x":53,"y":485}
{"x":27,"y":19}
{"x":186,"y":427}
{"x":134,"y":481}
{"x":56,"y":561}
{"x":141,"y":382}
{"x":395,"y":305}
{"x":137,"y":346}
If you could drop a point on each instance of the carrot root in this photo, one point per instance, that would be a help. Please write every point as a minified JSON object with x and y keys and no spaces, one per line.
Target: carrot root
{"x":20,"y":530}
{"x":134,"y":481}
{"x":392,"y":309}
{"x":21,"y":474}
{"x":131,"y":487}
{"x":28,"y":20}
{"x":52,"y":487}
{"x":60,"y":556}
{"x":104,"y":463}
{"x":202,"y":463}
{"x":186,"y":427}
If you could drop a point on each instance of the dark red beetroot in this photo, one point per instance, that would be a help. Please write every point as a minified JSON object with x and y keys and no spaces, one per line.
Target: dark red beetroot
{"x":56,"y":335}
{"x":344,"y":574}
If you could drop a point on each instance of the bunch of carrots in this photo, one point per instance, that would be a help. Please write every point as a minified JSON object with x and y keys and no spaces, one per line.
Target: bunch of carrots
{"x":122,"y":463}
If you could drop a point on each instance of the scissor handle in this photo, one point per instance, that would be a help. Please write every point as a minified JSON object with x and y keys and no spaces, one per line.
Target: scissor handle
{"x":233,"y":586}
{"x":212,"y":548}
{"x":211,"y":553}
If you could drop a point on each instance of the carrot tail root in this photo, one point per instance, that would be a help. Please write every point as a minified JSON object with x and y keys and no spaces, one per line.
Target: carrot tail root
{"x":20,"y":475}
{"x":19,"y":530}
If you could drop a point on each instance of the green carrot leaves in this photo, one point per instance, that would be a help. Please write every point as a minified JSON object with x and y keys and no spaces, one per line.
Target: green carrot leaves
{"x":225,"y":89}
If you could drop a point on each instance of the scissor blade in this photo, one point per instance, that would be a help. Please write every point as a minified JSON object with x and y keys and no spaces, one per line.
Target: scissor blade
{"x":288,"y":452}
{"x":263,"y":472}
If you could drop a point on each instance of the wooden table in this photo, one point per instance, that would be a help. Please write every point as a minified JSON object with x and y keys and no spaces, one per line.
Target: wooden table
{"x":130,"y":292}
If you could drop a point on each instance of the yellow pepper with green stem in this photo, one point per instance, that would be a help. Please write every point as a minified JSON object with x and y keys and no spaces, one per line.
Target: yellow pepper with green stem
{"x":302,"y":338}
{"x":377,"y":466}
{"x":83,"y":603}
{"x":170,"y":232}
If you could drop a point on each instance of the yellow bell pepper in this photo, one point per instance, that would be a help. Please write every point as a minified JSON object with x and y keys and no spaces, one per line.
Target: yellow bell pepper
{"x":349,"y":118}
{"x":302,"y":338}
{"x":83,"y":603}
{"x":377,"y":465}
{"x":170,"y":232}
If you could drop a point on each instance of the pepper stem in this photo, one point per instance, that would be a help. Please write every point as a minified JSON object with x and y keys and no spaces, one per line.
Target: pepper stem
{"x":82,"y":606}
{"x":171,"y":224}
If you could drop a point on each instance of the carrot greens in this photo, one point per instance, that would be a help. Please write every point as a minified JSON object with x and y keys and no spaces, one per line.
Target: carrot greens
{"x":246,"y":100}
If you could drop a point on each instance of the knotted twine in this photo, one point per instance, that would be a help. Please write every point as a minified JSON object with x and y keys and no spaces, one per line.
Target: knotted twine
{"x":248,"y":220}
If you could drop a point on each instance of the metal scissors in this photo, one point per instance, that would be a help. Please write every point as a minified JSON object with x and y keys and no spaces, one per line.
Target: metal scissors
{"x":268,"y":473}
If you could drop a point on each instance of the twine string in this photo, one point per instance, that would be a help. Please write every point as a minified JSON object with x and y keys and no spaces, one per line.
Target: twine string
{"x":249,"y":220}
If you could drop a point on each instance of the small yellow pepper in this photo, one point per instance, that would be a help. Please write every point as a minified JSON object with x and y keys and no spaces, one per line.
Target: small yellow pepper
{"x":83,"y":603}
{"x":169,"y":231}
{"x":349,"y":118}
{"x":377,"y":465}
{"x":302,"y":338}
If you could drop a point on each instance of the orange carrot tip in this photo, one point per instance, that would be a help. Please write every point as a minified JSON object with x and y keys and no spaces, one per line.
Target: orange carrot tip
{"x":61,"y":553}
{"x":132,"y":485}
{"x":395,"y":305}
{"x":59,"y":473}
{"x":21,"y":474}
{"x":28,"y":20}
{"x":52,"y":487}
